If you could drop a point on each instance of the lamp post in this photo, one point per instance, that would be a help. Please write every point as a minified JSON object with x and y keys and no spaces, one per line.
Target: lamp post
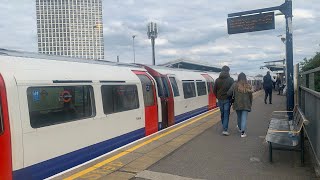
{"x":153,"y":34}
{"x":283,"y":39}
{"x":134,"y":53}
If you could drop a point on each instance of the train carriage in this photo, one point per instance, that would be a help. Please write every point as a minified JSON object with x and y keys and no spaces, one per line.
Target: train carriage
{"x":58,"y":114}
{"x":191,"y":90}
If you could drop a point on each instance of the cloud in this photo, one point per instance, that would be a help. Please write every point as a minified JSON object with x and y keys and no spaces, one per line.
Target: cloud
{"x":195,"y":30}
{"x":303,"y":14}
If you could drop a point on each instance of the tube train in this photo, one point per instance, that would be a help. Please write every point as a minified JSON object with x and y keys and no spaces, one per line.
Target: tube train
{"x":58,"y":112}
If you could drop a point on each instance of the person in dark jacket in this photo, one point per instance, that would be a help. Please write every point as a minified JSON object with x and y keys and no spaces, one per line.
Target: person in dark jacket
{"x":278,"y":84}
{"x":267,"y":86}
{"x":242,"y":92}
{"x":220,"y":89}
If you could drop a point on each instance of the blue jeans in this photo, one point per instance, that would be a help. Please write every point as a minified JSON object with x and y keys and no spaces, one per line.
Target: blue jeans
{"x":242,"y":119}
{"x":224,"y":106}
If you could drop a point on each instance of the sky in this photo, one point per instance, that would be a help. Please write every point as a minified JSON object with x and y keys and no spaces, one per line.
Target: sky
{"x":192,"y":30}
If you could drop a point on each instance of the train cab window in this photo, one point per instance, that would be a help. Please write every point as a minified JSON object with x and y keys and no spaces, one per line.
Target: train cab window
{"x":119,"y":98}
{"x":166,"y":87}
{"x":174,"y":86}
{"x":189,"y":89}
{"x":147,"y":88}
{"x":59,"y":104}
{"x":201,"y":88}
{"x":208,"y":85}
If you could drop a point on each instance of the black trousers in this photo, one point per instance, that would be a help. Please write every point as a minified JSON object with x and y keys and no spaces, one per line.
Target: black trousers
{"x":268,"y":92}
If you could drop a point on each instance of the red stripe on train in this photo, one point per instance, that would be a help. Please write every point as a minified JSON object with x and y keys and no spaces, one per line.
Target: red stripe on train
{"x":5,"y":140}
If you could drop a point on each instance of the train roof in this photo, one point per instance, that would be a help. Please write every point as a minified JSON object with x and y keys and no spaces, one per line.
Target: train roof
{"x":26,"y":67}
{"x":14,"y":53}
{"x":181,"y":74}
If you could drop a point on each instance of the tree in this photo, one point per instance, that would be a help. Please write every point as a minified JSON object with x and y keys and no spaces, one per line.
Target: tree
{"x":312,"y":63}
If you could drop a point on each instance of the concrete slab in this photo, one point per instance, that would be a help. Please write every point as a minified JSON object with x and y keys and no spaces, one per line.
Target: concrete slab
{"x":118,"y":176}
{"x":140,"y":164}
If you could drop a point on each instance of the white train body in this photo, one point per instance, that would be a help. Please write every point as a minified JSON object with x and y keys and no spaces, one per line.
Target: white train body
{"x":58,"y":112}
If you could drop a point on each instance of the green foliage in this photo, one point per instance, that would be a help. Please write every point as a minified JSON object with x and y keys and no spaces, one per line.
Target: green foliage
{"x":317,"y":81}
{"x":312,"y":63}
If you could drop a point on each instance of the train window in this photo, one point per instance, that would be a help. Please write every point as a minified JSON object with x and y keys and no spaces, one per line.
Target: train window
{"x":189,"y":89}
{"x":147,"y":88}
{"x":174,"y":86}
{"x":1,"y":119}
{"x":166,"y":87}
{"x":208,"y":85}
{"x":201,"y":88}
{"x":159,"y":86}
{"x":212,"y":84}
{"x":59,"y":104}
{"x":119,"y":98}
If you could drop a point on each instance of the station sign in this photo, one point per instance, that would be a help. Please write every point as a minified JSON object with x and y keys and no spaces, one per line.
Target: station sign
{"x":251,"y":23}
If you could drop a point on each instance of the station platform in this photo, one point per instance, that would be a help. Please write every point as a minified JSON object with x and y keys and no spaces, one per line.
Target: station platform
{"x":196,"y":149}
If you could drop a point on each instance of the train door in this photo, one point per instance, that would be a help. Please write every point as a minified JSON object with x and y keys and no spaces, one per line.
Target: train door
{"x":168,"y":92}
{"x":211,"y":96}
{"x":5,"y":141}
{"x":163,"y":93}
{"x":150,"y":102}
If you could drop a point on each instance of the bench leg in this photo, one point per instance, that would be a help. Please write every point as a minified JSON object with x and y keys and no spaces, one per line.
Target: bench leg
{"x":270,"y":152}
{"x":302,"y":146}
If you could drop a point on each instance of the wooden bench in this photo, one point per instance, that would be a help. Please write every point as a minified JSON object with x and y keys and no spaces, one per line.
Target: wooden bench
{"x":285,"y":131}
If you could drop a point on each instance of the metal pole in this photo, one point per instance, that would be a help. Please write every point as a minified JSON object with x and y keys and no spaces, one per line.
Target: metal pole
{"x":134,"y":53}
{"x":289,"y":56}
{"x":153,"y":54}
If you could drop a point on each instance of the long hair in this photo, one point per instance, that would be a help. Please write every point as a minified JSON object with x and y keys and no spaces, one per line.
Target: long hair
{"x":242,"y":85}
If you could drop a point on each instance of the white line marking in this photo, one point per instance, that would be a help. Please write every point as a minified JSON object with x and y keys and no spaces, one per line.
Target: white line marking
{"x":160,"y":176}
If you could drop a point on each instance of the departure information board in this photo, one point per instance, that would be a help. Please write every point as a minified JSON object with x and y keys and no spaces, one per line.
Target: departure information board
{"x":251,"y":23}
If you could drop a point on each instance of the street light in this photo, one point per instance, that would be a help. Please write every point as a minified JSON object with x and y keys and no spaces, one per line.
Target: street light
{"x":283,"y":39}
{"x":134,"y":53}
{"x":153,"y":34}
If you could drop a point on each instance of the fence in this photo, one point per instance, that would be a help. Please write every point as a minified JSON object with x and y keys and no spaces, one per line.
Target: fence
{"x":309,"y":101}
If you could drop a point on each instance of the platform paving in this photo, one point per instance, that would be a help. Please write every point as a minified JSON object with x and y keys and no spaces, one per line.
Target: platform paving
{"x":195,"y":149}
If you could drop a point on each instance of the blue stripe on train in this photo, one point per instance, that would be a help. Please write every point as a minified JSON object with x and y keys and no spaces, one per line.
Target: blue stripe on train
{"x":187,"y":115}
{"x":53,"y":166}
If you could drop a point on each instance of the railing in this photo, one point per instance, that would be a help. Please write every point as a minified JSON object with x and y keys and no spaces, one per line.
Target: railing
{"x":309,"y":101}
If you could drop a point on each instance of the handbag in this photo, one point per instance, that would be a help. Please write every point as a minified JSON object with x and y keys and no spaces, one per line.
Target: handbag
{"x":232,"y":98}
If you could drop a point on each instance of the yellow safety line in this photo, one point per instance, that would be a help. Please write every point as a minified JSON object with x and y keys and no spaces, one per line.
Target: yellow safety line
{"x":83,"y":172}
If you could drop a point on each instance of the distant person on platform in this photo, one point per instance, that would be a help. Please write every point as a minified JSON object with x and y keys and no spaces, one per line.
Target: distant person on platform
{"x":267,"y":86}
{"x":220,"y":89}
{"x":278,"y":84}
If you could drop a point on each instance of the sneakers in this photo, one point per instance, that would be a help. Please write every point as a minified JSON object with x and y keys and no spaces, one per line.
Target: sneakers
{"x":225,"y":133}
{"x":243,"y":134}
{"x":238,"y":128}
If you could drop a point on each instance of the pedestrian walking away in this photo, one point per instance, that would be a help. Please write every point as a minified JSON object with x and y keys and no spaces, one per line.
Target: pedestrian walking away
{"x":267,"y":86}
{"x":242,"y":92}
{"x":278,"y":84}
{"x":220,"y":89}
